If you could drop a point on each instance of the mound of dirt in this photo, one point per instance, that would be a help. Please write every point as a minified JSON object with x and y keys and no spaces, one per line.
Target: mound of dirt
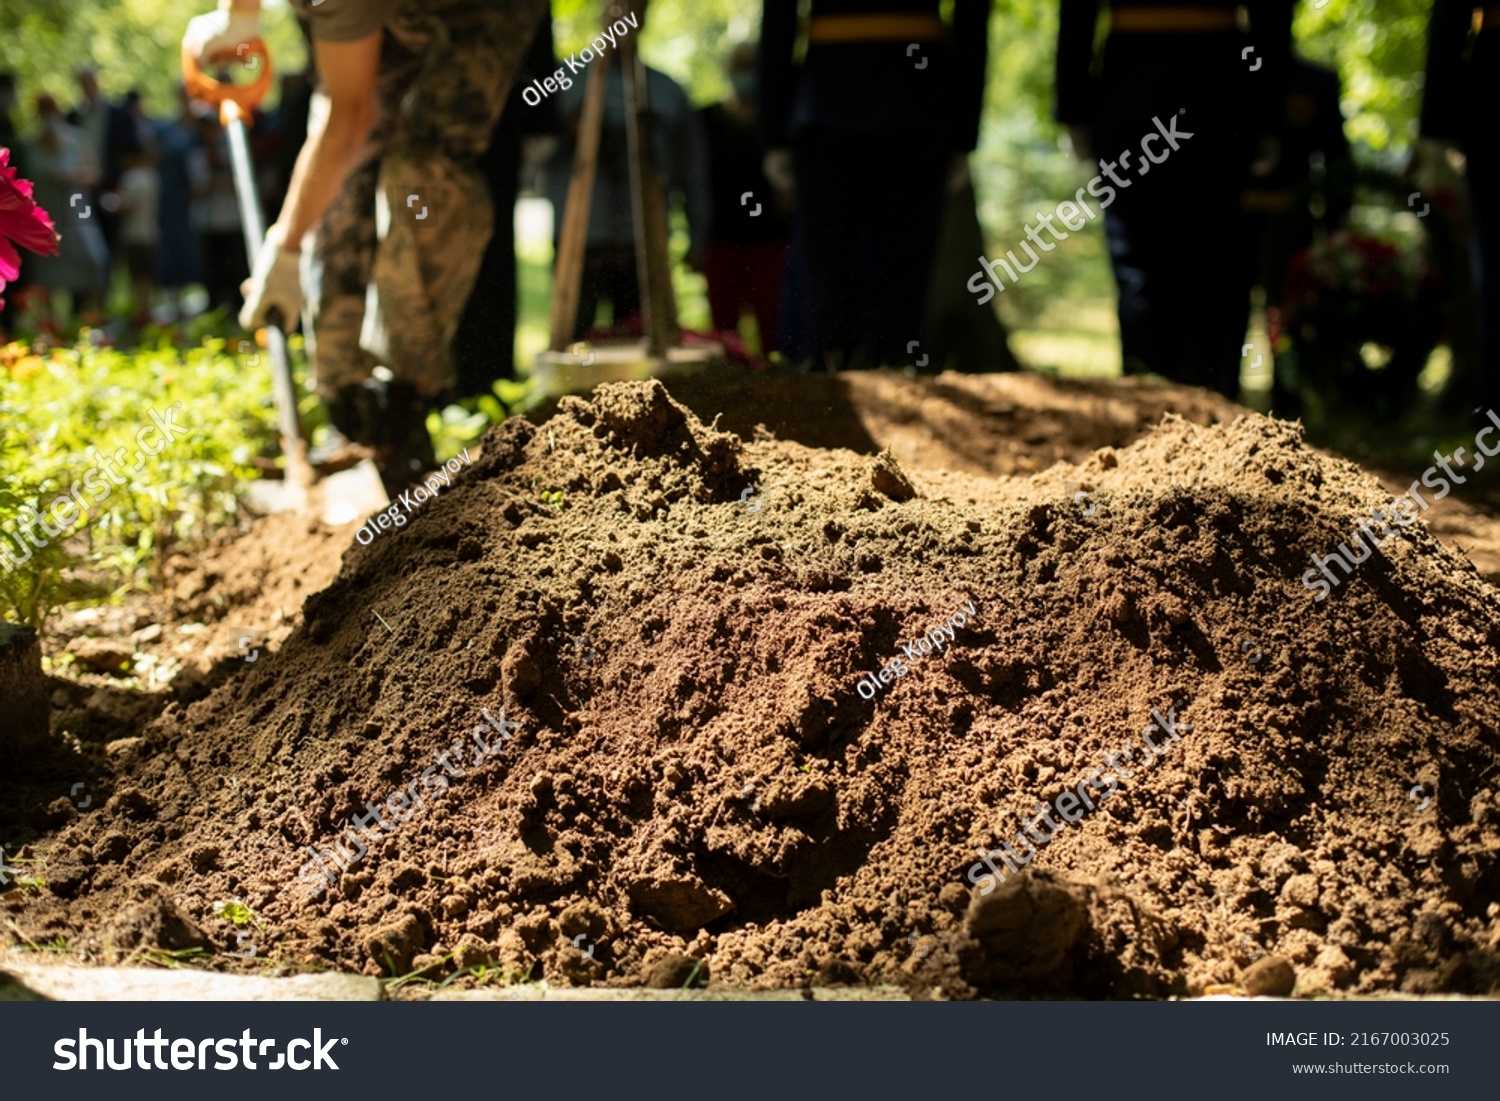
{"x":631,"y":691}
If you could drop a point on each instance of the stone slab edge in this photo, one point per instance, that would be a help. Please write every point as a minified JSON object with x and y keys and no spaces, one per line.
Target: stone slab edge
{"x":31,"y":982}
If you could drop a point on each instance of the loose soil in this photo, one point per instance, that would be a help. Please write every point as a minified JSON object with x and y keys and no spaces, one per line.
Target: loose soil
{"x":694,"y":776}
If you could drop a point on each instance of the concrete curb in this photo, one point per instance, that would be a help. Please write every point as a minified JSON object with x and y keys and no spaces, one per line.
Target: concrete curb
{"x":29,"y":982}
{"x":641,"y":994}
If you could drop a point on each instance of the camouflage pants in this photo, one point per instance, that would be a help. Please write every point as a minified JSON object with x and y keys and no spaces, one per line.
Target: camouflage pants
{"x":396,"y":254}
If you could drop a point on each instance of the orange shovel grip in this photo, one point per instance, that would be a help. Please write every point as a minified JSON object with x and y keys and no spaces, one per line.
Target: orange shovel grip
{"x":235,"y":101}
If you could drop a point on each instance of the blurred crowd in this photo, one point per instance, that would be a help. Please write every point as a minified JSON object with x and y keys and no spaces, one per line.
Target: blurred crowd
{"x":149,"y":197}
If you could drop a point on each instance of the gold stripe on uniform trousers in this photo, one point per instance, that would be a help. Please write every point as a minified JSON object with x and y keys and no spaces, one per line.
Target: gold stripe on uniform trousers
{"x":1144,"y":18}
{"x":892,"y":27}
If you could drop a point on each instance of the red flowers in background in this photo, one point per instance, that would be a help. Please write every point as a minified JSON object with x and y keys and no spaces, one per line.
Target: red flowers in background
{"x":22,"y":223}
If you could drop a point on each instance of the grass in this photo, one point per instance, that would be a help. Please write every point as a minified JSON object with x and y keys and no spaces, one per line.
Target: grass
{"x":236,"y":912}
{"x":482,"y":974}
{"x":70,"y":422}
{"x":171,"y":958}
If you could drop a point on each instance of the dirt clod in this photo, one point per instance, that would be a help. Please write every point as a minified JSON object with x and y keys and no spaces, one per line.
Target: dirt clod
{"x":1027,"y":932}
{"x":1269,"y":977}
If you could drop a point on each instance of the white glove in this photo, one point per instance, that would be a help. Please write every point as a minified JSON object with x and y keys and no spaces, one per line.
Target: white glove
{"x":275,"y":284}
{"x":220,"y":31}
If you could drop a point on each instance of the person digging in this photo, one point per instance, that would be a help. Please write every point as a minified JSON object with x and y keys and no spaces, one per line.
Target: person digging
{"x":387,"y":216}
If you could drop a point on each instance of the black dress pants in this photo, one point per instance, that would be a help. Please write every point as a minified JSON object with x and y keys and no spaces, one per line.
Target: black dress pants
{"x":869,"y":208}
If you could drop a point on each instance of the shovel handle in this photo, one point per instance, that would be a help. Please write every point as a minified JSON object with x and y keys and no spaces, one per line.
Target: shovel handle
{"x":235,"y":101}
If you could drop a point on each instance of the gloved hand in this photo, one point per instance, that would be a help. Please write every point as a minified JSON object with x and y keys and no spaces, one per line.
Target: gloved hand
{"x":220,"y":31}
{"x":274,"y":284}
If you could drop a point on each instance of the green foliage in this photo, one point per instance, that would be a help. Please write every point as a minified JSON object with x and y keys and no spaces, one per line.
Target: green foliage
{"x":64,"y":413}
{"x":455,"y":427}
{"x":689,"y":40}
{"x":131,"y":43}
{"x":1380,"y":50}
{"x":34,"y":588}
{"x":234,"y":911}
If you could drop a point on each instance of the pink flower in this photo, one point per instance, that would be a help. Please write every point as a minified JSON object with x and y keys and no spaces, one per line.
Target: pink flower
{"x":22,"y":223}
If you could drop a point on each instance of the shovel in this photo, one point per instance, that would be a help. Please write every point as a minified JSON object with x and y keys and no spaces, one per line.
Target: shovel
{"x":349,"y":494}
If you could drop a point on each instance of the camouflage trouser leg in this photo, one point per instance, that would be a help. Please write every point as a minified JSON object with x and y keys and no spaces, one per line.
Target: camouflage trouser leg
{"x":397,"y":253}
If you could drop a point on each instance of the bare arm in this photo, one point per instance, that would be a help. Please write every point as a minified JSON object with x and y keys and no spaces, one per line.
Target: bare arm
{"x":349,"y":71}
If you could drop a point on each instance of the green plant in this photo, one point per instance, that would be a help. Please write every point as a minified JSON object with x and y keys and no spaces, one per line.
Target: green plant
{"x":692,"y":979}
{"x":172,"y":958}
{"x":70,"y":415}
{"x":34,"y":587}
{"x":457,"y":426}
{"x":485,"y":974}
{"x":419,"y":975}
{"x":234,"y":911}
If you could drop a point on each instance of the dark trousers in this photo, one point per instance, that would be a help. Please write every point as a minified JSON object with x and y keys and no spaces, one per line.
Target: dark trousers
{"x":224,"y":269}
{"x":746,"y":275}
{"x":869,"y":207}
{"x":609,"y":272}
{"x":1482,"y":150}
{"x":1177,"y":233}
{"x":1484,"y":189}
{"x":484,"y":348}
{"x":1178,"y":242}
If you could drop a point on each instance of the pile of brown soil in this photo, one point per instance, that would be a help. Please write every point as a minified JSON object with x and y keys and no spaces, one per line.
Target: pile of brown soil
{"x":694,"y":771}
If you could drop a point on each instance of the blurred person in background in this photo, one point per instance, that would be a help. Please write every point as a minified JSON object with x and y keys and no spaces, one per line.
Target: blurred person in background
{"x":216,"y":217}
{"x":1460,"y":109}
{"x":484,"y":348}
{"x":960,"y":337}
{"x":1208,"y":96}
{"x":745,"y":264}
{"x":61,"y":164}
{"x":387,"y":214}
{"x":609,"y":269}
{"x":110,"y":132}
{"x":1309,"y":191}
{"x":140,"y":205}
{"x":884,"y":102}
{"x":143,"y":129}
{"x":177,"y":263}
